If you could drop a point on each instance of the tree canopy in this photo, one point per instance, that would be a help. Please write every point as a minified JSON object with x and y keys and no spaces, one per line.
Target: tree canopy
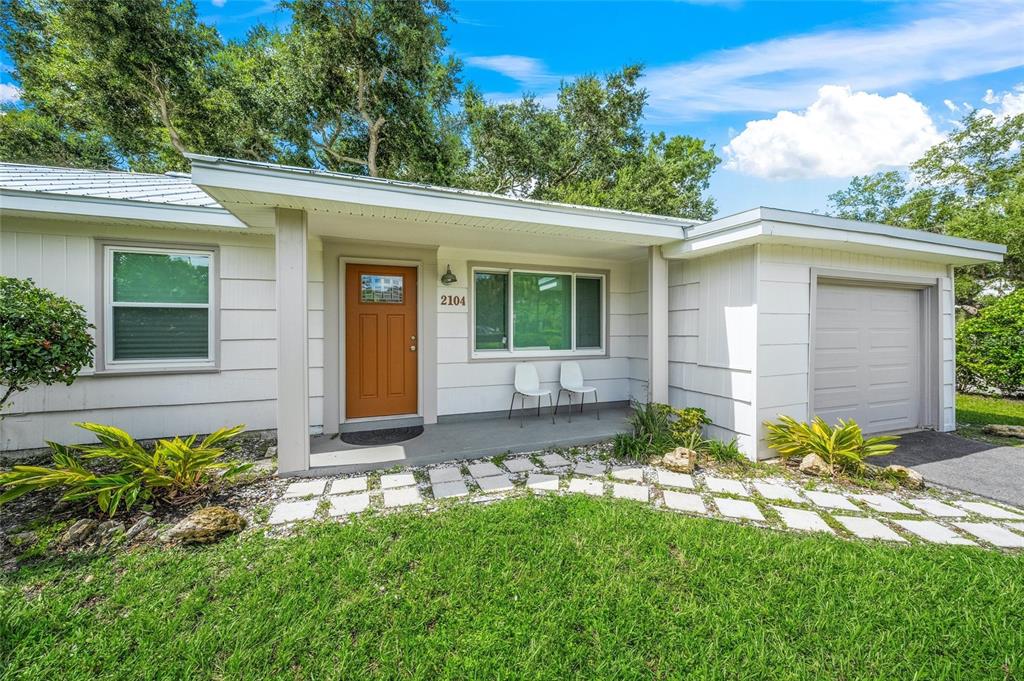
{"x":969,"y":185}
{"x":364,"y":86}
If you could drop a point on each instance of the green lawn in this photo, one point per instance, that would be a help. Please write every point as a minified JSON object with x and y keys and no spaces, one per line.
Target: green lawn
{"x":974,"y":411}
{"x":560,"y":587}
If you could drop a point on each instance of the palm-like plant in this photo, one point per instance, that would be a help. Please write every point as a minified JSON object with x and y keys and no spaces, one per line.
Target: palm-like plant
{"x":842,"y":446}
{"x":175,"y":470}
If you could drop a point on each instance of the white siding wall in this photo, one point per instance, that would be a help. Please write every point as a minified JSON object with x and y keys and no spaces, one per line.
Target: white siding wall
{"x":466,"y":386}
{"x":784,"y":318}
{"x":712,"y":340}
{"x":639,"y":305}
{"x":62,"y":257}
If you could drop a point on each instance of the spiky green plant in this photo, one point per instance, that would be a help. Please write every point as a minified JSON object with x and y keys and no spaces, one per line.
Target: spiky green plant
{"x":842,"y":446}
{"x":175,"y":469}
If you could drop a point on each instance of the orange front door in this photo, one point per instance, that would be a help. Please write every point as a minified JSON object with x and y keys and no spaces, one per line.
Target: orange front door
{"x":380,"y":340}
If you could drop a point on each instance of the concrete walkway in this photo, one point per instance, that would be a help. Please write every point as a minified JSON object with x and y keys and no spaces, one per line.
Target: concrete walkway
{"x":953,"y":461}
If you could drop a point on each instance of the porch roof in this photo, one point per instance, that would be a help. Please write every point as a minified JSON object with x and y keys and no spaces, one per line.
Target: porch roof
{"x":247,"y":187}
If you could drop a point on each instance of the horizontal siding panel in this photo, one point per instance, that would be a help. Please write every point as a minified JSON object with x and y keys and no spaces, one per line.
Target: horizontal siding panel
{"x":452,"y":325}
{"x":503,"y":373}
{"x":248,"y":324}
{"x":778,"y":360}
{"x":497,"y":398}
{"x":780,"y":297}
{"x":778,"y":390}
{"x":247,"y":262}
{"x":247,"y":294}
{"x":783,"y":329}
{"x":452,"y":350}
{"x":248,"y":354}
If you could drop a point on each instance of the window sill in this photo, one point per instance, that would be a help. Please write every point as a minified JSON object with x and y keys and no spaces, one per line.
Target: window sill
{"x":155,"y":371}
{"x":539,"y":355}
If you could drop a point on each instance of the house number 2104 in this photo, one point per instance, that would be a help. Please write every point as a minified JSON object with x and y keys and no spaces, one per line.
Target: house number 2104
{"x":453,"y":300}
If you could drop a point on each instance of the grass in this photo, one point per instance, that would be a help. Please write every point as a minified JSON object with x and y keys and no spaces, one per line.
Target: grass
{"x":559,"y":587}
{"x":973,"y":412}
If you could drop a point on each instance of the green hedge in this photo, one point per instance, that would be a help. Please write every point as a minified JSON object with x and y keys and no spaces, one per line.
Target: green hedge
{"x":990,"y":347}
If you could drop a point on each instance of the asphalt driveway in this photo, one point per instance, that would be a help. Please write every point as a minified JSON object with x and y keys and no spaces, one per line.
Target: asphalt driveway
{"x":954,"y":461}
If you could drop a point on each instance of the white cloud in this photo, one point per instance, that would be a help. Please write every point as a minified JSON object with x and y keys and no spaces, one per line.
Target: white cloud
{"x":525,"y":70}
{"x":951,"y":105}
{"x":218,"y":3}
{"x":954,"y":41}
{"x":1006,"y":104}
{"x":9,"y":93}
{"x":842,"y":133}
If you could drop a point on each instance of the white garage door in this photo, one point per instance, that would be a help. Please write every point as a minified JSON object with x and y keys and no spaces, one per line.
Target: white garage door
{"x":867,"y":356}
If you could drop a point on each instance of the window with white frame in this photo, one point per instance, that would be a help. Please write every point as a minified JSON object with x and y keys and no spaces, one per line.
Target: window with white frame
{"x":158,"y":307}
{"x":530,"y":312}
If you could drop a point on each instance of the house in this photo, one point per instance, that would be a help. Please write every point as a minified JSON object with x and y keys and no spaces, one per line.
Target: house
{"x":312,"y":301}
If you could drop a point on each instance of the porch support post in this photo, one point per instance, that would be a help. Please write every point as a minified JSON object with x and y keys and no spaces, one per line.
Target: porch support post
{"x":657,"y":325}
{"x":292,"y":343}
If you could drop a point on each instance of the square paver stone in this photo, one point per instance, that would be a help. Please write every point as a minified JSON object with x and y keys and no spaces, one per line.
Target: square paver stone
{"x":929,"y":530}
{"x":622,"y":490}
{"x":830,"y":500}
{"x":735,"y":508}
{"x":595,"y":468}
{"x":683,"y":501}
{"x":445,"y":474}
{"x":884,"y":504}
{"x":633,"y":474}
{"x":799,"y":519}
{"x":304,"y":488}
{"x":519,"y":465}
{"x":451,"y":488}
{"x":726,"y":486}
{"x":553,"y":461}
{"x":989,"y":511}
{"x":937,"y":508}
{"x":346,"y":485}
{"x":397,"y":480}
{"x":673,"y":479}
{"x":868,"y":528}
{"x":993,"y":534}
{"x":484,"y":469}
{"x":542,"y":481}
{"x":349,"y":503}
{"x":777,"y":492}
{"x":402,"y":496}
{"x":292,"y":511}
{"x":592,"y":487}
{"x":495,"y":483}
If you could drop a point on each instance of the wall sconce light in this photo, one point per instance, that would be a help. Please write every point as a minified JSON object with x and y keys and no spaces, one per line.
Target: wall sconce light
{"x":448,"y":278}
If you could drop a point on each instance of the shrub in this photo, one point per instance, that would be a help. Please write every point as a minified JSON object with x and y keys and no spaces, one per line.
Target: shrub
{"x":725,"y":452}
{"x":990,"y":347}
{"x":658,"y":428}
{"x":842,"y":446}
{"x":175,"y":471}
{"x":44,"y":338}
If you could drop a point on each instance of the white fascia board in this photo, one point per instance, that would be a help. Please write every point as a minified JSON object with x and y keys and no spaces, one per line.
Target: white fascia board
{"x":774,"y":232}
{"x":44,"y":204}
{"x":288,"y":188}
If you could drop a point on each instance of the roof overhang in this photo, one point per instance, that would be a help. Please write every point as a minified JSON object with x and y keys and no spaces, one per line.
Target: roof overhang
{"x":776,"y":226}
{"x":242,"y":186}
{"x":15,"y":203}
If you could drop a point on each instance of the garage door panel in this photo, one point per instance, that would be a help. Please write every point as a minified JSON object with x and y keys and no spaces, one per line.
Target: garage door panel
{"x":867,"y":356}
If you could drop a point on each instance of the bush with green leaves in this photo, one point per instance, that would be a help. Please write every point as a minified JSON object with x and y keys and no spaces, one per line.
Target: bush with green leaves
{"x":842,"y":446}
{"x":175,"y":471}
{"x":725,"y":452}
{"x":658,"y":428}
{"x":990,"y":347}
{"x":44,"y":338}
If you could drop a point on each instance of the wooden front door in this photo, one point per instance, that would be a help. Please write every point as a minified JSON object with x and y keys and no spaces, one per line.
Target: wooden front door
{"x":380,"y":340}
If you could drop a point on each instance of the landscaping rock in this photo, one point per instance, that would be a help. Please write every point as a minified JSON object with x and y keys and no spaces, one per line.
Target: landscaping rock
{"x":679,"y":460}
{"x":908,"y":476}
{"x":812,"y":464}
{"x":206,"y":525}
{"x":136,"y":529}
{"x":1004,"y":430}
{"x":106,"y":533}
{"x":23,"y":539}
{"x":77,"y":533}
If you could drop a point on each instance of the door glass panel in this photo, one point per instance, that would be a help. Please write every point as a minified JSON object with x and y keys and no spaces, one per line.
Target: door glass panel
{"x":377,"y":288}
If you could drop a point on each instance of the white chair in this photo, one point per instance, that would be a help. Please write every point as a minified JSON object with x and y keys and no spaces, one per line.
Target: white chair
{"x":571,"y":380}
{"x":528,"y":385}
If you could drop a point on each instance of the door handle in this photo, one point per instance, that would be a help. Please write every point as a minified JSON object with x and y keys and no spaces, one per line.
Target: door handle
{"x":412,"y":348}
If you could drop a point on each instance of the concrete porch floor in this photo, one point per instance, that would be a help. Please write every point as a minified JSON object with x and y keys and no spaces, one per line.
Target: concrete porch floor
{"x":469,"y":439}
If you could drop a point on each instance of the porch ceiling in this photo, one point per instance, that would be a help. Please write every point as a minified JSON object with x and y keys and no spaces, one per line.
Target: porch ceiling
{"x":346,"y":206}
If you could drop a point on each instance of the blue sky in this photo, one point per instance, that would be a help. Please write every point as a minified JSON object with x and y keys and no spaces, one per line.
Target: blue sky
{"x":797,"y":97}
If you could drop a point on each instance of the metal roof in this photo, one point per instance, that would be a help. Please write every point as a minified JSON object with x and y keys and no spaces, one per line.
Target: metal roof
{"x":175,"y":189}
